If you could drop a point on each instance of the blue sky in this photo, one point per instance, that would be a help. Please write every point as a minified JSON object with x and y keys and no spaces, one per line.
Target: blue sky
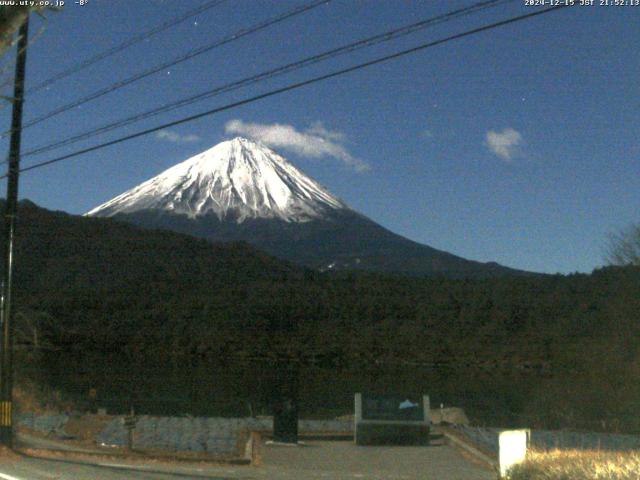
{"x":520,"y":145}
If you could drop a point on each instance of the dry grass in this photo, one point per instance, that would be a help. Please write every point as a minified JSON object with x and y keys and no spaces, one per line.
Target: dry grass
{"x":578,"y":465}
{"x":31,"y":398}
{"x":8,"y":456}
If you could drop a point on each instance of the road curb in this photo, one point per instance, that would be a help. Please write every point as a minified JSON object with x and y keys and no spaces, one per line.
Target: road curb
{"x":469,"y":448}
{"x":92,"y":457}
{"x":252,"y":449}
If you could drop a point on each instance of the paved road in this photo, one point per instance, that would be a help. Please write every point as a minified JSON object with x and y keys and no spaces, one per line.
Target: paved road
{"x":333,"y":460}
{"x":344,"y":460}
{"x":41,"y":469}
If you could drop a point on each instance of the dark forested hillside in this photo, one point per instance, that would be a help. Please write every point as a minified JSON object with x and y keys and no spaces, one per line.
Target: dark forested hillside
{"x":105,"y":280}
{"x":343,"y":240}
{"x":541,"y":350}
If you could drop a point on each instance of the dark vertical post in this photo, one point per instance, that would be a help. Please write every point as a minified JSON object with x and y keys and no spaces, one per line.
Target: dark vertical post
{"x":283,"y":315}
{"x":6,"y":341}
{"x":130,"y":424}
{"x":285,"y":414}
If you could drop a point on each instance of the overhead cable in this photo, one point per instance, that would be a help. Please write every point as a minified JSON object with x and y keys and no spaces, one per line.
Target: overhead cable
{"x":329,"y":54}
{"x":294,"y":86}
{"x":124,"y":45}
{"x":189,"y":55}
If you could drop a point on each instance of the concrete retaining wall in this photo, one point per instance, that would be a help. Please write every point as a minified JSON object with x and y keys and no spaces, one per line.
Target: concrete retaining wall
{"x":47,"y":423}
{"x":211,"y":435}
{"x":185,"y":434}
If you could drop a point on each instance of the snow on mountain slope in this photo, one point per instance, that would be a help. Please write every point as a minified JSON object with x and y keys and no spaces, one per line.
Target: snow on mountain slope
{"x":235,"y":180}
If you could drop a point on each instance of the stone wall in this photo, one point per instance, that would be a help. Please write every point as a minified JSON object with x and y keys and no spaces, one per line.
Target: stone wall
{"x":201,"y":434}
{"x":184,"y":434}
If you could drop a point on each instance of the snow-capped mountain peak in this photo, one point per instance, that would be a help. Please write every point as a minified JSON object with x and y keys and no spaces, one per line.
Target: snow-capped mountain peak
{"x":235,"y":180}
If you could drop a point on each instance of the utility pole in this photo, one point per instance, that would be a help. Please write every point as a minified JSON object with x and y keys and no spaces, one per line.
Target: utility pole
{"x":6,"y":330}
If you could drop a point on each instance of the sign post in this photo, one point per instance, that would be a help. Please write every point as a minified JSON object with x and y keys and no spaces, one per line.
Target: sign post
{"x":130,"y":422}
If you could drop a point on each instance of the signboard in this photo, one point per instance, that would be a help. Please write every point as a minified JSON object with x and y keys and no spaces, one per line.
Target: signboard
{"x":393,"y":407}
{"x":392,"y":419}
{"x":130,"y":422}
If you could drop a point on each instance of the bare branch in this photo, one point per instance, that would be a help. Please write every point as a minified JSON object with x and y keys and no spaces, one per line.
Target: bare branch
{"x":623,"y":247}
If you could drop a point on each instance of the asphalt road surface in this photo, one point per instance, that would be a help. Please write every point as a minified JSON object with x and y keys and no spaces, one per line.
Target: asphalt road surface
{"x":334,"y":460}
{"x":344,"y":460}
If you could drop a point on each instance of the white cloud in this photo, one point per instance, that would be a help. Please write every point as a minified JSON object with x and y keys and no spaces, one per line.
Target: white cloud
{"x":317,"y":128}
{"x":504,"y":144}
{"x":173,"y":137}
{"x":314,"y":142}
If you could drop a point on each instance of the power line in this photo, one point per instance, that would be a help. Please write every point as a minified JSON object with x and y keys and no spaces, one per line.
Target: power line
{"x":293,"y":86}
{"x":189,"y":55}
{"x":351,"y":47}
{"x":124,"y":45}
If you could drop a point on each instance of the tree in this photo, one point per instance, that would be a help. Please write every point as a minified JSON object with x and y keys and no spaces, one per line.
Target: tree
{"x":11,"y":19}
{"x":34,"y":329}
{"x":624,"y":246}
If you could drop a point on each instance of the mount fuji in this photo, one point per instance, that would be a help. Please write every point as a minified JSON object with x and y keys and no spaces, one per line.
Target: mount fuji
{"x":240,"y":190}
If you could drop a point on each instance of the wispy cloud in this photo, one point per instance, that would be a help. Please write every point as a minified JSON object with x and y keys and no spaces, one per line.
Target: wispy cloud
{"x":504,"y":144}
{"x":314,"y":142}
{"x":173,"y":137}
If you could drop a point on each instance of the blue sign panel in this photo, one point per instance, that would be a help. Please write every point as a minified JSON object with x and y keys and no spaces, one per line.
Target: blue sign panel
{"x":393,"y":408}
